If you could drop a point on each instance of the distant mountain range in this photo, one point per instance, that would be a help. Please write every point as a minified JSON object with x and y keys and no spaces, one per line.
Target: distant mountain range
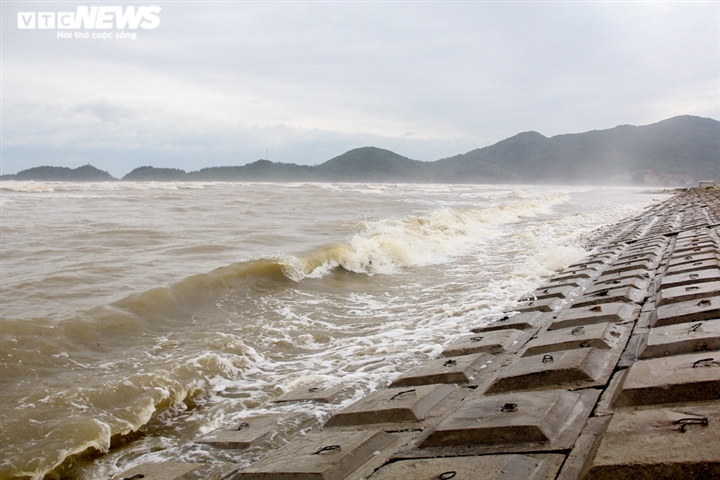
{"x":679,"y":151}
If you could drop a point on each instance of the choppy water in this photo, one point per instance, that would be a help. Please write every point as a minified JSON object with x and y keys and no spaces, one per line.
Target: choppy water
{"x":137,"y":316}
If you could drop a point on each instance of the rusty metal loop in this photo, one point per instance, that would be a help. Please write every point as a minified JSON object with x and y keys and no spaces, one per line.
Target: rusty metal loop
{"x":509,"y":407}
{"x":703,"y":361}
{"x":704,"y":303}
{"x":596,"y":308}
{"x":476,"y":339}
{"x":547,"y":359}
{"x":692,"y":288}
{"x":243,"y":425}
{"x":327,"y":448}
{"x":576,"y":330}
{"x":446,"y":475}
{"x":402,"y":393}
{"x":449,"y":363}
{"x":695,"y":327}
{"x":314,"y":389}
{"x":684,"y":422}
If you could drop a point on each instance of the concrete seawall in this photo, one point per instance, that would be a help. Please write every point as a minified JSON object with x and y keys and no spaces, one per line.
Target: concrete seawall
{"x":609,"y":370}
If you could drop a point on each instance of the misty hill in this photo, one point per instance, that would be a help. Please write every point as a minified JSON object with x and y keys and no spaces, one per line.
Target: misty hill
{"x":86,"y":173}
{"x":678,"y":151}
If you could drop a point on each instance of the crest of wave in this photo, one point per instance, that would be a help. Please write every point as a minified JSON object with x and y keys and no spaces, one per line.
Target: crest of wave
{"x":389,"y":245}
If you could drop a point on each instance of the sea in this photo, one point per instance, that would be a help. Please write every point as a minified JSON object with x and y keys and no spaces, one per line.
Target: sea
{"x":136,"y":317}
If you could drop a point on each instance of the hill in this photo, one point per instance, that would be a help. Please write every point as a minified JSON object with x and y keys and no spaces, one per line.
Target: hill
{"x":679,"y":151}
{"x":86,"y":173}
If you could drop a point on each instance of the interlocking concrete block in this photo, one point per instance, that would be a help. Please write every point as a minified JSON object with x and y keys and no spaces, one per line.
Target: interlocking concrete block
{"x":627,"y":266}
{"x":497,"y":341}
{"x":548,"y":292}
{"x":488,"y":467}
{"x":681,"y":378}
{"x":513,"y":419}
{"x":446,"y":370}
{"x":690,"y":311}
{"x":690,"y":278}
{"x":707,"y":255}
{"x":608,"y":312}
{"x":520,"y":321}
{"x":314,"y":393}
{"x":641,"y":283}
{"x":639,"y":273}
{"x":578,"y":368}
{"x":602,"y":295}
{"x":687,"y":292}
{"x":178,"y":471}
{"x":694,"y":266}
{"x":544,"y":305}
{"x":570,"y":274}
{"x":392,"y":405}
{"x":600,"y":335}
{"x":319,"y":456}
{"x":681,"y":442}
{"x":688,"y":248}
{"x":682,"y":338}
{"x":246,"y":433}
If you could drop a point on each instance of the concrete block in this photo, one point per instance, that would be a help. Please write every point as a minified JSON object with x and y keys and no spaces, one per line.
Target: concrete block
{"x":572,"y":274}
{"x":444,"y":370}
{"x":639,"y":273}
{"x":688,"y":248}
{"x":627,"y":266}
{"x":519,"y":321}
{"x":178,"y":471}
{"x":552,"y":283}
{"x":639,"y":282}
{"x":689,"y":278}
{"x":683,"y":259}
{"x":608,"y":312}
{"x":683,"y":312}
{"x":609,"y":295}
{"x":497,"y":341}
{"x":661,"y":443}
{"x":687,"y":292}
{"x":600,"y":335}
{"x":681,"y":378}
{"x":319,"y":456}
{"x":392,"y":405}
{"x":489,"y":467}
{"x":544,"y":305}
{"x":512,"y":419}
{"x":249,"y":432}
{"x":548,"y":292}
{"x":317,"y":392}
{"x":694,"y":266}
{"x":682,"y":338}
{"x":567,"y":368}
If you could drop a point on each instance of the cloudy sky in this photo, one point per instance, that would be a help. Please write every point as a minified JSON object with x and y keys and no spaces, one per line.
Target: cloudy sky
{"x":227,"y":83}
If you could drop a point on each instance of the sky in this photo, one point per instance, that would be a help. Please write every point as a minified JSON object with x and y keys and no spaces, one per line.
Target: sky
{"x":228,"y":83}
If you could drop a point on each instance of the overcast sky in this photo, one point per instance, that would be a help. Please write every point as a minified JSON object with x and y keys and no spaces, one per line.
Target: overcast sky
{"x":227,"y":83}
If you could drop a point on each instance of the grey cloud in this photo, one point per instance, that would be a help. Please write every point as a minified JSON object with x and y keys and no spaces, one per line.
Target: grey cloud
{"x":224,"y":82}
